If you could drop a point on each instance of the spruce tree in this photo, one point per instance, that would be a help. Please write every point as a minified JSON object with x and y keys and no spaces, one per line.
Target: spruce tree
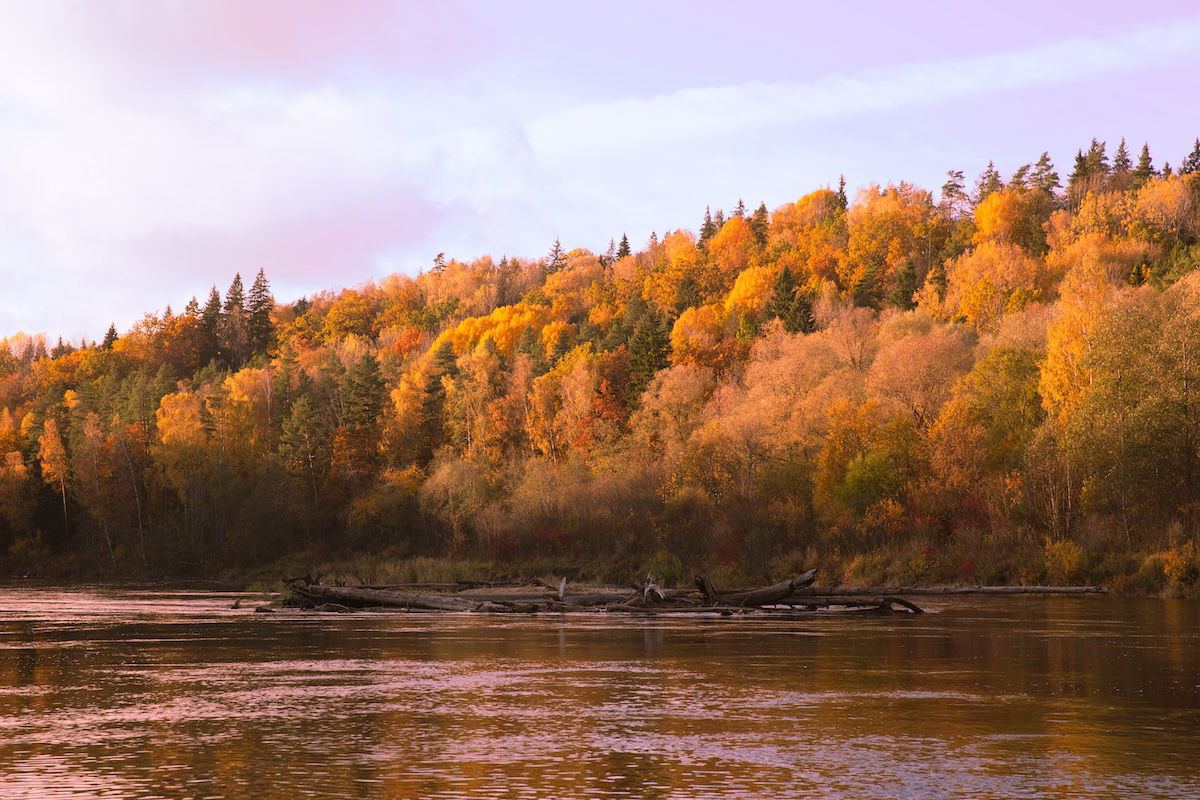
{"x":1121,"y":162}
{"x":556,"y":260}
{"x":623,"y":248}
{"x":842,"y":201}
{"x":210,"y":323}
{"x":740,"y":209}
{"x":1097,"y":160}
{"x":1144,"y":170}
{"x":433,"y":406}
{"x":759,"y":224}
{"x":235,"y":295}
{"x":110,"y":338}
{"x":782,"y":294}
{"x":1191,"y":163}
{"x":649,"y":347}
{"x":1020,"y":177}
{"x":707,"y":228}
{"x":260,"y":304}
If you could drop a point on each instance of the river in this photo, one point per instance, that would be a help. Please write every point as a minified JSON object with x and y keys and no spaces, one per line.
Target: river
{"x":172,"y":694}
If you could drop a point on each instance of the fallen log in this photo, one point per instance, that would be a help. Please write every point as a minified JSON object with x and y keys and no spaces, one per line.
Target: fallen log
{"x":859,"y":591}
{"x":357,"y":597}
{"x":755,"y":597}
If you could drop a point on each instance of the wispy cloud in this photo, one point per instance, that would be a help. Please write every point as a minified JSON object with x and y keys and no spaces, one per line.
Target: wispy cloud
{"x":714,"y":111}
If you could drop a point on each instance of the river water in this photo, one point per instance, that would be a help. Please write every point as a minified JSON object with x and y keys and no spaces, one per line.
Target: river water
{"x":152,"y":694}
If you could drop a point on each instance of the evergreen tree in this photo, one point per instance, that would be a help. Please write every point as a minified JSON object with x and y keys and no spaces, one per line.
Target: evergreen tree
{"x":989,"y":181}
{"x":1191,"y":163}
{"x":707,"y":228}
{"x":433,"y":406}
{"x":1144,"y":170}
{"x":740,"y":209}
{"x":649,"y":347}
{"x":1166,"y":169}
{"x":687,"y":294}
{"x":1020,"y":177}
{"x":623,"y":248}
{"x":759,"y":224}
{"x":842,"y":201}
{"x":210,"y":323}
{"x":562,"y":346}
{"x":304,"y":445}
{"x":1044,"y":176}
{"x":530,"y":346}
{"x":556,"y":259}
{"x":235,"y":295}
{"x":110,"y":338}
{"x":782,"y":294}
{"x":904,"y":288}
{"x":192,"y":309}
{"x":260,"y":304}
{"x":954,"y":199}
{"x":1121,"y":162}
{"x":439,"y":264}
{"x":610,"y":255}
{"x":1097,"y":160}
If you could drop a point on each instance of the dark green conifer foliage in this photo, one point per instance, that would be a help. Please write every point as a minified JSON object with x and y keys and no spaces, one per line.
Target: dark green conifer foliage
{"x":1191,"y":164}
{"x":260,"y":304}
{"x":623,"y":248}
{"x":708,"y":228}
{"x":235,"y":295}
{"x":842,"y":200}
{"x":556,"y":260}
{"x":304,"y":444}
{"x":1044,"y":176}
{"x":687,"y":294}
{"x":790,"y":305}
{"x":1144,"y":170}
{"x":109,"y":338}
{"x":905,"y":287}
{"x":362,"y":394}
{"x":1097,"y":160}
{"x":649,"y":347}
{"x":562,"y":346}
{"x":989,"y":181}
{"x":740,"y":209}
{"x":954,"y":196}
{"x":210,"y":322}
{"x":433,"y":406}
{"x":1121,"y":161}
{"x":529,"y":346}
{"x":759,"y":224}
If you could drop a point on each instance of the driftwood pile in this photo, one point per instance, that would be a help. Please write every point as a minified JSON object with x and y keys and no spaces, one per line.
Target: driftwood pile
{"x":790,"y":596}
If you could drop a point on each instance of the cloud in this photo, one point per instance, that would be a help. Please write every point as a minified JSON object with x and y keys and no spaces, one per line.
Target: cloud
{"x":715,"y":111}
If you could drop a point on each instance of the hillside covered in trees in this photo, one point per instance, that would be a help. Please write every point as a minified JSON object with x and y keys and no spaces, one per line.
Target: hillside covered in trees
{"x":999,"y":383}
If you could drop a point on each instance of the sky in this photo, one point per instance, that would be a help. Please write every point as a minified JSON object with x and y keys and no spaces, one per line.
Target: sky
{"x":150,"y":149}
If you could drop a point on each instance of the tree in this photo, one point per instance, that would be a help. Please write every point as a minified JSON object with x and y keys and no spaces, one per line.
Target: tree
{"x":649,"y":348}
{"x":707,"y":228}
{"x":210,"y":322}
{"x":988,"y":181}
{"x":52,"y":456}
{"x":304,"y":445}
{"x":759,"y":223}
{"x":556,"y":260}
{"x":623,"y":248}
{"x":1044,"y":176}
{"x":1192,"y":162}
{"x":110,"y":338}
{"x":259,"y":306}
{"x":954,"y":199}
{"x":1144,"y":170}
{"x":1121,"y":163}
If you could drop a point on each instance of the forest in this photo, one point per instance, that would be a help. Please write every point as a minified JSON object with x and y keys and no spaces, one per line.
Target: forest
{"x":996,"y":383}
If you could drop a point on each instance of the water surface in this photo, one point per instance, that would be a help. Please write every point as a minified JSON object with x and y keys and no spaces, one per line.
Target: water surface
{"x":153,"y":694}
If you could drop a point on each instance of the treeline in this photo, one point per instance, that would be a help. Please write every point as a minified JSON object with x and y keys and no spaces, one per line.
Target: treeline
{"x":1002,"y":384}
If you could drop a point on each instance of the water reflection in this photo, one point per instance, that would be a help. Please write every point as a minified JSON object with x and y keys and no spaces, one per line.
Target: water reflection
{"x":174,"y":695}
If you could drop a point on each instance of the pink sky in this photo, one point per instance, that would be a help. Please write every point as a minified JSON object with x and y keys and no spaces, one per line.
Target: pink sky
{"x":151,"y":149}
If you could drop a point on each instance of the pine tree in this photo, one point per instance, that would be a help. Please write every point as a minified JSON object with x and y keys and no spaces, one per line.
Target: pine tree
{"x":1020,"y":177}
{"x":439,"y":264}
{"x":529,"y":346}
{"x":1191,"y":164}
{"x":954,"y":199}
{"x":842,"y":201}
{"x":1144,"y":170}
{"x":1166,"y":169}
{"x":759,"y":224}
{"x":233,"y":334}
{"x":740,"y":209}
{"x":260,"y":304}
{"x":623,"y":248}
{"x":782,"y":294}
{"x":1044,"y":176}
{"x":905,"y":287}
{"x":304,"y":445}
{"x":989,"y":181}
{"x":110,"y":338}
